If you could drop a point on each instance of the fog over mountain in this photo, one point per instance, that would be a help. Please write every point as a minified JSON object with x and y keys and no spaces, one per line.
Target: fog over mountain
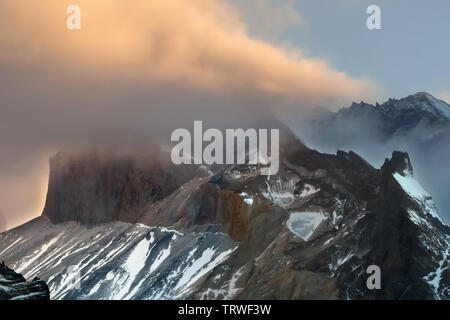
{"x":418,"y":124}
{"x":130,"y":80}
{"x":2,"y":222}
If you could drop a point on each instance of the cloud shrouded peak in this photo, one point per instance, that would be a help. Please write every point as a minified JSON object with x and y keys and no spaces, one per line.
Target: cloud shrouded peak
{"x":135,"y":71}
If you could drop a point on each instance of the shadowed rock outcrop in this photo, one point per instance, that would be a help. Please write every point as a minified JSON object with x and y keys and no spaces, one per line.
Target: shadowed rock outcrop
{"x":14,"y":287}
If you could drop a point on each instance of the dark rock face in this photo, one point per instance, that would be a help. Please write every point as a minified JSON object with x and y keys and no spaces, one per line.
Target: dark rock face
{"x":399,"y":162}
{"x":94,"y":186}
{"x":410,"y":243}
{"x":14,"y":287}
{"x":371,"y":220}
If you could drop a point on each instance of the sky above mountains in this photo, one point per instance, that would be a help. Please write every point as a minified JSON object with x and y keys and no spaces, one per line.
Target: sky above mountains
{"x":137,"y":70}
{"x":406,"y":56}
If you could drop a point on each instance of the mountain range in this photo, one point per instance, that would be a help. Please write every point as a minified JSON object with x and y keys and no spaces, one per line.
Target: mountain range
{"x":133,"y":226}
{"x":418,"y":124}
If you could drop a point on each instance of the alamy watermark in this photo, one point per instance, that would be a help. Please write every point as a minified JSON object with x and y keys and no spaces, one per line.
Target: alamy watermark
{"x":374,"y":20}
{"x":374,"y":280}
{"x":73,"y":22}
{"x":236,"y":146}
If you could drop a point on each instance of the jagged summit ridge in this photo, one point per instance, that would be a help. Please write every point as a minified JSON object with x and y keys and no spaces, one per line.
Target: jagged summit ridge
{"x":398,"y":163}
{"x":401,"y":169}
{"x":421,"y":102}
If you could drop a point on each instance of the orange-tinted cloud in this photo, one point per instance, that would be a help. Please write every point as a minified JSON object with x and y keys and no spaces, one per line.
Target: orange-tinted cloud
{"x":201,"y":43}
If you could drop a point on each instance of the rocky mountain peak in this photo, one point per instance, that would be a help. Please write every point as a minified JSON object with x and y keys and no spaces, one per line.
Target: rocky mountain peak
{"x":399,"y":163}
{"x":422,"y":95}
{"x":14,"y":287}
{"x":419,"y":104}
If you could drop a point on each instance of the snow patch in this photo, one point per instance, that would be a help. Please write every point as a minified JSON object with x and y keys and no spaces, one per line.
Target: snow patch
{"x":303,"y":224}
{"x":247,"y":199}
{"x":199,"y":267}
{"x":137,"y":258}
{"x":279,"y":192}
{"x":309,"y":190}
{"x":435,"y":277}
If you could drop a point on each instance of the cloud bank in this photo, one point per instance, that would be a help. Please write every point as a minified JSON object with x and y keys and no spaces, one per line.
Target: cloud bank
{"x":135,"y":71}
{"x":199,"y":43}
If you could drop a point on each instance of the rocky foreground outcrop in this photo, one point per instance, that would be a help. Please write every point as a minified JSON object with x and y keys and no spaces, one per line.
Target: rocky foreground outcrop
{"x":309,"y":232}
{"x":14,"y":287}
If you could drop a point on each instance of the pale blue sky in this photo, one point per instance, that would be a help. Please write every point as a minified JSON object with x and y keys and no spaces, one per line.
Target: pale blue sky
{"x":411,"y":53}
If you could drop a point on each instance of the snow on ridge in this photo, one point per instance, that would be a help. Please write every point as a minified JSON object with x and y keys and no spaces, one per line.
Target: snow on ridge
{"x":440,"y":105}
{"x":209,"y":259}
{"x":279,"y":192}
{"x":115,"y":260}
{"x":415,"y":190}
{"x":434,"y":278}
{"x":418,"y":102}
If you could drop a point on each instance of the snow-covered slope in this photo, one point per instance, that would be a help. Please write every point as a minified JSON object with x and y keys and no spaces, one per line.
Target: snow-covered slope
{"x":113,"y":260}
{"x":420,"y":102}
{"x":431,"y":229}
{"x":427,"y":99}
{"x":415,"y":190}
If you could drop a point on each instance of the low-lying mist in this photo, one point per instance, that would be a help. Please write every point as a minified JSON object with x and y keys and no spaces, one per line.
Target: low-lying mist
{"x":427,"y":145}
